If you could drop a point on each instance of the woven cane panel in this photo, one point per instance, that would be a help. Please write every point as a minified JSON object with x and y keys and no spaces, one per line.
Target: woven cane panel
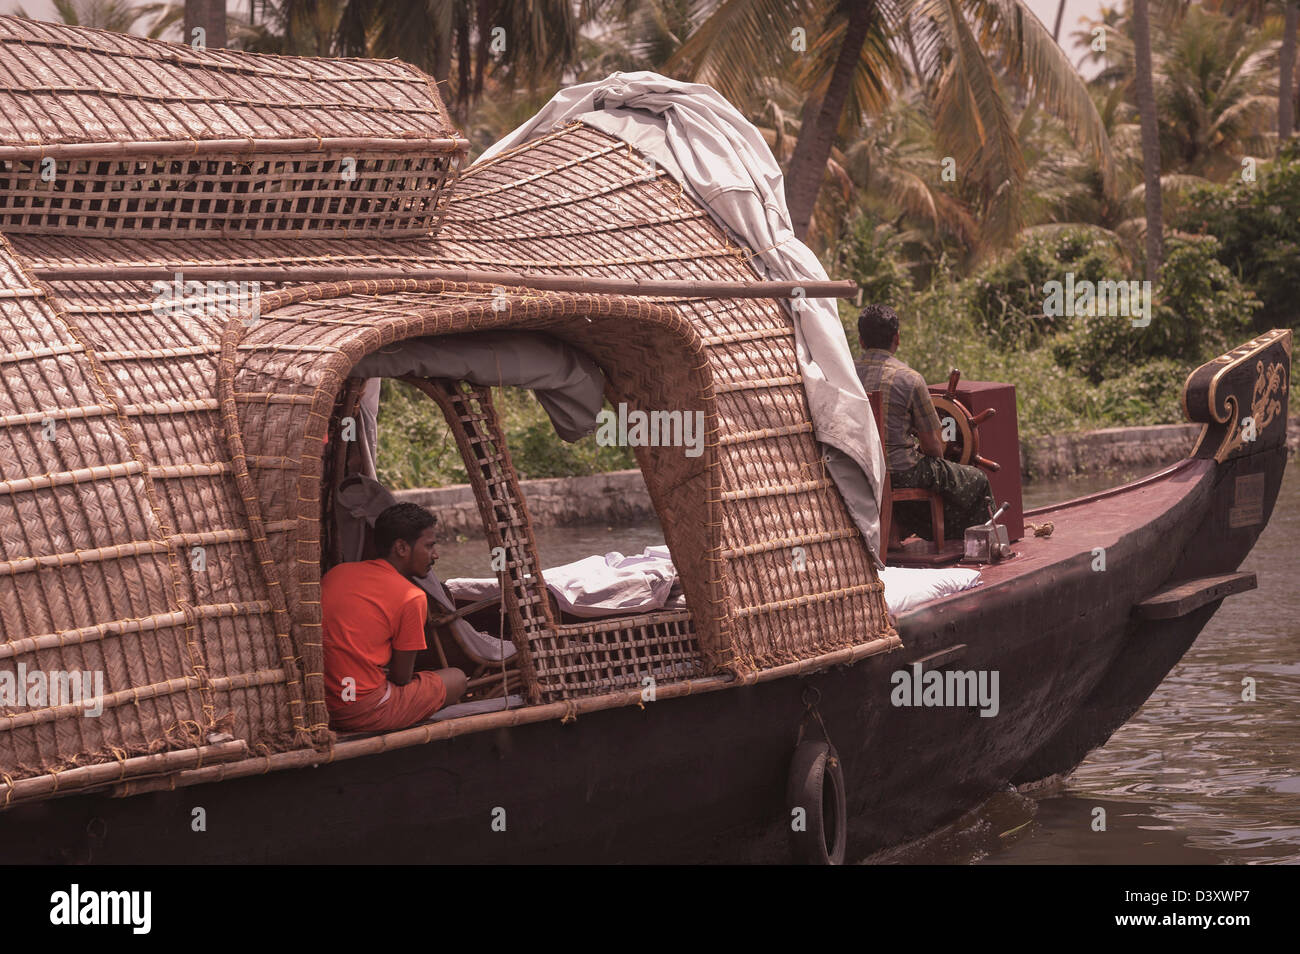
{"x":90,"y":579}
{"x":107,"y":134}
{"x":472,"y":418}
{"x":95,"y":573}
{"x":578,"y":201}
{"x":234,"y":195}
{"x":339,"y":330}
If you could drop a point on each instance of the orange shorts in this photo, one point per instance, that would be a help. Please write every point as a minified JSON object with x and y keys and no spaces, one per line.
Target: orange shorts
{"x":392,"y":707}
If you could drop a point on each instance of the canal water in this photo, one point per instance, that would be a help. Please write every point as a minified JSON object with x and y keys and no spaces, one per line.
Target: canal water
{"x":1197,"y":776}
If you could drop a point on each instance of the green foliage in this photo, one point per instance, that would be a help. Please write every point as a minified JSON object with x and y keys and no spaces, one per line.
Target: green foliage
{"x":415,"y":447}
{"x":1091,"y":372}
{"x":1006,"y":298}
{"x":1200,"y":310}
{"x":868,"y":255}
{"x":1086,"y":372}
{"x":537,"y":451}
{"x":940,"y":335}
{"x":1149,"y":393}
{"x":1258,"y":228}
{"x":417,"y":450}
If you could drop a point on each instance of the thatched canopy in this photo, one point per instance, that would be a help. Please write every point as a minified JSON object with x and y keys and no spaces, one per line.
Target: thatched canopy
{"x":181,"y":432}
{"x":67,"y":85}
{"x":103,"y":133}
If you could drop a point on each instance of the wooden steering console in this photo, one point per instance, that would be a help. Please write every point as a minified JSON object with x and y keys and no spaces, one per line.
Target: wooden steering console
{"x":964,"y":448}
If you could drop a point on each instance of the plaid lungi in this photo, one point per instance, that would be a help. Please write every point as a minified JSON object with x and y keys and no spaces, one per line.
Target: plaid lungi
{"x":966,"y":497}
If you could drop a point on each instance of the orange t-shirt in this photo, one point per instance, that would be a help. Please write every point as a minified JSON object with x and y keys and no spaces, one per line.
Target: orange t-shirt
{"x":368,"y":610}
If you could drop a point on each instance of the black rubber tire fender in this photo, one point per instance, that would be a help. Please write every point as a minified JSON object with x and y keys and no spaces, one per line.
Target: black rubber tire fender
{"x":817,"y":786}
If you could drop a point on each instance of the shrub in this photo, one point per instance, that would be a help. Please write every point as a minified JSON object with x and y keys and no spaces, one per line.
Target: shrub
{"x":1199,"y":310}
{"x":1007,"y":297}
{"x":1150,"y":393}
{"x":1258,"y":228}
{"x":417,"y":450}
{"x":415,"y":447}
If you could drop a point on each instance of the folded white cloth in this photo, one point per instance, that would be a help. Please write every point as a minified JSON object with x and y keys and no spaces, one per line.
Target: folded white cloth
{"x":908,"y":587}
{"x":596,"y":586}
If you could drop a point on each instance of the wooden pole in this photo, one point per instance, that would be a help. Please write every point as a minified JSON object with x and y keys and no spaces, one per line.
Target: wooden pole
{"x":667,"y":288}
{"x":43,"y":786}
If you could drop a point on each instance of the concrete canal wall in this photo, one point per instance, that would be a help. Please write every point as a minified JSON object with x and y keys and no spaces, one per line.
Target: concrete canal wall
{"x":620,"y":497}
{"x":1119,"y":449}
{"x":617,"y":497}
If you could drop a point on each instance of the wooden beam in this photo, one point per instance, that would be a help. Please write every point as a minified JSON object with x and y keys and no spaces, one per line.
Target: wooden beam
{"x":663,"y":288}
{"x":1178,"y":600}
{"x":944,"y":657}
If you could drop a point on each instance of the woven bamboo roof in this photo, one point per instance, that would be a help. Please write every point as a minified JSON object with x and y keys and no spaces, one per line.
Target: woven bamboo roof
{"x":181,"y":432}
{"x":63,"y":85}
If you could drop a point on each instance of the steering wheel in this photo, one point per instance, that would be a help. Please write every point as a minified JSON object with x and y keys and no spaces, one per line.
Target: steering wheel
{"x":964,"y":448}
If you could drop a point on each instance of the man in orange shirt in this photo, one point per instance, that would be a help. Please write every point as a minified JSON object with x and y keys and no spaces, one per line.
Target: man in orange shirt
{"x":372,"y":616}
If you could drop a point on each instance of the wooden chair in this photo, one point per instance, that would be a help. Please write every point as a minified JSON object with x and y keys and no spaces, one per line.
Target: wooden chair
{"x":486,"y":671}
{"x":889,"y":530}
{"x":936,"y":516}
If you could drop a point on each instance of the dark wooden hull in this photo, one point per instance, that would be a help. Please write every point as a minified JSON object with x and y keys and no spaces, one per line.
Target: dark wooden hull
{"x":702,"y":778}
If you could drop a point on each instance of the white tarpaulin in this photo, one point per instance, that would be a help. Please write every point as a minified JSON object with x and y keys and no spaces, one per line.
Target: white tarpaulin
{"x":698,"y":138}
{"x":567,"y":383}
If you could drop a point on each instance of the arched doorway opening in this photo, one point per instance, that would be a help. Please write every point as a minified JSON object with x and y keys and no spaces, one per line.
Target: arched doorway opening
{"x":519,"y":635}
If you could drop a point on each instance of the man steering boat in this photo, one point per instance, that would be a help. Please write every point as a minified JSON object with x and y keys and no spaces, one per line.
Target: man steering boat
{"x":914,"y":443}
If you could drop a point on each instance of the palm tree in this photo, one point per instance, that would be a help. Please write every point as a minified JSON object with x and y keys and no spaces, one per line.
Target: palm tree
{"x":898,"y":179}
{"x":116,"y":15}
{"x":519,"y":42}
{"x":632,"y":34}
{"x":961,"y":50}
{"x":813,"y":148}
{"x":209,"y":16}
{"x":514,"y":43}
{"x":1286,"y":73}
{"x":1214,"y":75}
{"x":1144,"y":92}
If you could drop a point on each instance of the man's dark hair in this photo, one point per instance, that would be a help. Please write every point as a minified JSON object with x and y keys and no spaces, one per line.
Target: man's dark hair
{"x":403,"y":521}
{"x":877,"y":325}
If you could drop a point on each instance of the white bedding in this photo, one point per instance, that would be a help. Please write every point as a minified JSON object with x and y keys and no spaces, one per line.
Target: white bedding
{"x":614,"y":584}
{"x":609,"y":585}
